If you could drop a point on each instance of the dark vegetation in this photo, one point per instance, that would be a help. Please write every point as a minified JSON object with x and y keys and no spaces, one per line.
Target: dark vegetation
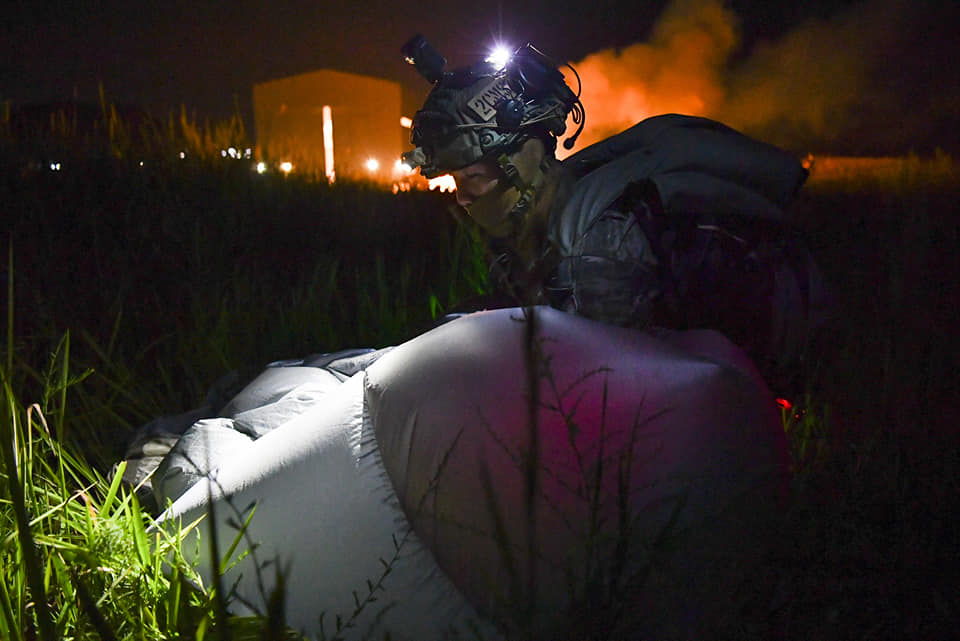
{"x":172,"y":272}
{"x":869,"y":538}
{"x":166,"y":275}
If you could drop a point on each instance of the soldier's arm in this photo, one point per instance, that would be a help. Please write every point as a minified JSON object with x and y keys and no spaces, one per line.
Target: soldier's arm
{"x":611,"y":275}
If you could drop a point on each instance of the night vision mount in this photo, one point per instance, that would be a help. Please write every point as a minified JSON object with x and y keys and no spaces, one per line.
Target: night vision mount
{"x":428,"y":61}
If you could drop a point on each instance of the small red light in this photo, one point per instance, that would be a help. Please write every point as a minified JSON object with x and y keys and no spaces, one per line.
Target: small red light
{"x":784,"y":403}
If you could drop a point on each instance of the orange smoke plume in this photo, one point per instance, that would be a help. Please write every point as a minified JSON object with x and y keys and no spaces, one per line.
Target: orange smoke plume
{"x":810,"y":87}
{"x":678,"y":70}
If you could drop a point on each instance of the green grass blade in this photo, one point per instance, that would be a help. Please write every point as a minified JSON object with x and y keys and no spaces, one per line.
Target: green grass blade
{"x":226,"y":562}
{"x":8,"y":622}
{"x":112,"y":492}
{"x":31,"y":561}
{"x":10,"y":307}
{"x":138,"y":532}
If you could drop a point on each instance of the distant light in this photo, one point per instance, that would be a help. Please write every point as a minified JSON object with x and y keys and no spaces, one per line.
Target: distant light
{"x":328,"y":170}
{"x":141,"y":163}
{"x":183,"y":155}
{"x":443,"y":183}
{"x":223,"y":153}
{"x":247,"y":152}
{"x":286,"y":167}
{"x":401,"y":167}
{"x":233,"y":153}
{"x":262,"y":167}
{"x":372,"y":164}
{"x":54,"y":166}
{"x":405,"y":122}
{"x":499,"y":57}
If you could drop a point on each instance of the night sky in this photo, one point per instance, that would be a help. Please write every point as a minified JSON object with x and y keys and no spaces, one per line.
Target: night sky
{"x":902,"y":57}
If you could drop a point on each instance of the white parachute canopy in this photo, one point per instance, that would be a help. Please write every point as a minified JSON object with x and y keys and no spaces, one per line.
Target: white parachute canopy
{"x":433,"y":462}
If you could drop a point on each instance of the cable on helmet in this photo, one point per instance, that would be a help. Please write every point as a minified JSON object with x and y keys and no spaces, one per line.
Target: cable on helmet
{"x":579,"y":115}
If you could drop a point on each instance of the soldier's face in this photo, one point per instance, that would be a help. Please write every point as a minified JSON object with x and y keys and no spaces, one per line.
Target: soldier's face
{"x":473,"y":181}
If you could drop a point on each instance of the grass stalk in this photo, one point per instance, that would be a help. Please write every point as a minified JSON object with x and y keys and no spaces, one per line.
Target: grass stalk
{"x":31,"y":561}
{"x":10,"y":306}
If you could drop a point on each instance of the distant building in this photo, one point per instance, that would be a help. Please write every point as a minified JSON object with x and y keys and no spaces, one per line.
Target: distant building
{"x":361,"y":115}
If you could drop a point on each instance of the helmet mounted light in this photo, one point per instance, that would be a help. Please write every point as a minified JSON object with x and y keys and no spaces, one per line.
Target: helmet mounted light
{"x":487,"y":109}
{"x":499,"y":56}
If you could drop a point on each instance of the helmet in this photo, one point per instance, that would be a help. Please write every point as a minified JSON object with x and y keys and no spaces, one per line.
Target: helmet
{"x":486,"y":110}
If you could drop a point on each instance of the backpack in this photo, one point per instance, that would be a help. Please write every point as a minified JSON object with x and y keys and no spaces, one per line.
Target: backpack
{"x":713,"y":204}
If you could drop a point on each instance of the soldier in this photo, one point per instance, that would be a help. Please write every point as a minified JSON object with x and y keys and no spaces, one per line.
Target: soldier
{"x":678,"y":222}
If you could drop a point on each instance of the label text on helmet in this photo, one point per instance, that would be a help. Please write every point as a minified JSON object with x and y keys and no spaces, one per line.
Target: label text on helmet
{"x":484,"y":102}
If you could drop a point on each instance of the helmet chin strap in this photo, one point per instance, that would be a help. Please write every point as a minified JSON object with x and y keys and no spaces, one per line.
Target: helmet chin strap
{"x":503,"y":210}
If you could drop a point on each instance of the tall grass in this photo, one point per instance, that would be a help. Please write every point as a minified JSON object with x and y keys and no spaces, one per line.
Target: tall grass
{"x":78,"y":559}
{"x":131,"y":289}
{"x":75,"y":558}
{"x":173,"y":273}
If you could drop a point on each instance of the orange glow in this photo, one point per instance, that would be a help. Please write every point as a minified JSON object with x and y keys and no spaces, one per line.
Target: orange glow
{"x":678,"y":70}
{"x":444,"y":183}
{"x":845,"y":167}
{"x":328,"y":143}
{"x":294,"y":120}
{"x":797,"y":89}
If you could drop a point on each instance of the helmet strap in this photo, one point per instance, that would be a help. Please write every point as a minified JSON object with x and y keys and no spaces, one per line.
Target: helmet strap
{"x":502,"y":211}
{"x":491,"y":211}
{"x":527,"y":180}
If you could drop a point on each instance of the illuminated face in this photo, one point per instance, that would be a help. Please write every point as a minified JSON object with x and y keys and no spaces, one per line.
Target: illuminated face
{"x":473,"y":181}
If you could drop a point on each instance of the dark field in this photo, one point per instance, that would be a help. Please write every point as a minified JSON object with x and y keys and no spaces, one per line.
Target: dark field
{"x":165,"y":276}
